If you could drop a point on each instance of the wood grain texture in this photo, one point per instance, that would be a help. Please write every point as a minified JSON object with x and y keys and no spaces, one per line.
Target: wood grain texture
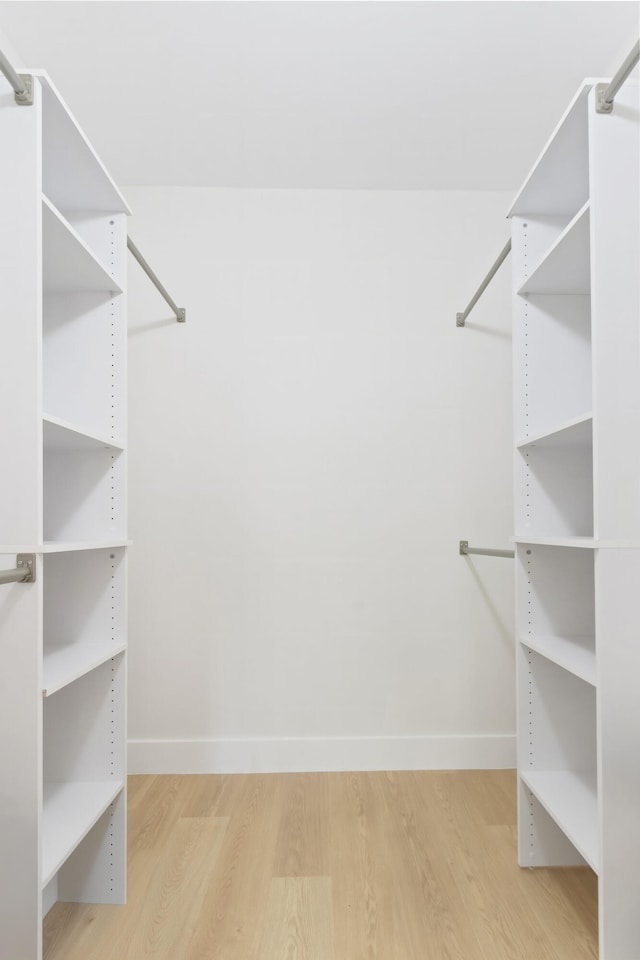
{"x":336,"y":866}
{"x":299,"y":920}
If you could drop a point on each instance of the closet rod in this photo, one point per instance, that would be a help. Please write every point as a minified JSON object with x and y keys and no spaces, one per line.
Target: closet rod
{"x":605,"y":95}
{"x":22,"y":83}
{"x":24,"y":572}
{"x":461,"y":317}
{"x":180,"y":312}
{"x":465,"y":550}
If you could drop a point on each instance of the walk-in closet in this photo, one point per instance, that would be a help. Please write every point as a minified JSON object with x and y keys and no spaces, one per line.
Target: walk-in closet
{"x":320,"y":483}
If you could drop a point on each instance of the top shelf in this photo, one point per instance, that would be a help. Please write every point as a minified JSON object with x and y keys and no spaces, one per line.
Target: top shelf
{"x":65,"y":148}
{"x":559,"y":180}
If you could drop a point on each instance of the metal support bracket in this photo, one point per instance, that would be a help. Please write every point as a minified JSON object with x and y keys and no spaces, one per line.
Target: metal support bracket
{"x":461,"y":318}
{"x":180,"y":312}
{"x":25,"y":99}
{"x":22,"y":83}
{"x":27,"y":561}
{"x":23,"y":572}
{"x":602,"y":105}
{"x":465,"y":551}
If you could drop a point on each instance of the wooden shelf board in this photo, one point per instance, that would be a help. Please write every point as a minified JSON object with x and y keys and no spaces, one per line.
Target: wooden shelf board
{"x":577,"y":431}
{"x":69,"y":812}
{"x":566,"y":267}
{"x":571,"y":800}
{"x":574,"y":654}
{"x":68,"y":263}
{"x":65,"y":663}
{"x":558,"y":181}
{"x":67,"y":148}
{"x":60,"y":434}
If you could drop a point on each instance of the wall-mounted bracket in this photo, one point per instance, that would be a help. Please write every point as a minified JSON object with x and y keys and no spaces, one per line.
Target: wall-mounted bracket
{"x":465,"y":551}
{"x":24,"y":98}
{"x":22,"y":83}
{"x":180,"y":312}
{"x":461,"y":318}
{"x":602,"y":105}
{"x":605,"y":93}
{"x":24,"y":571}
{"x":27,"y":562}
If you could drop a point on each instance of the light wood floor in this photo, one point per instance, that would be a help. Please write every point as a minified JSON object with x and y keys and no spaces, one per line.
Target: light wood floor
{"x":339,"y":866}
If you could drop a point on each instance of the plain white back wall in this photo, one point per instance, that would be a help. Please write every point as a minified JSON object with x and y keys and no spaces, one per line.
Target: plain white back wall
{"x":306,"y":453}
{"x":10,"y":52}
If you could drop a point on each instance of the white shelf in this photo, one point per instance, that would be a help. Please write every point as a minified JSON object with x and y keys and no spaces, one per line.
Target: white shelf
{"x":559,"y":180}
{"x":576,"y":384}
{"x":570,"y":799}
{"x":565,"y":268}
{"x":70,"y":810}
{"x":66,"y":149}
{"x":64,"y":546}
{"x":588,"y":543}
{"x":54,"y":546}
{"x":64,"y":664}
{"x":578,"y":431}
{"x":68,"y":263}
{"x":59,"y":434}
{"x":63,"y":742}
{"x":575,"y":654}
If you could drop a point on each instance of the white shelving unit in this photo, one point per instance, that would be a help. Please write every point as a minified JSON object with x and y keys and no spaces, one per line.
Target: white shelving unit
{"x":576,"y":257}
{"x":63,"y":498}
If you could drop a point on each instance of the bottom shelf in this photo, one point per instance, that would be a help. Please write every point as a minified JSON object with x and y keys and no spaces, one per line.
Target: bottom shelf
{"x":571,"y":800}
{"x":70,"y":810}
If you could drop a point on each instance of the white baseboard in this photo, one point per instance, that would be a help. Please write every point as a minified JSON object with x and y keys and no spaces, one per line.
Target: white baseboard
{"x":291,"y":755}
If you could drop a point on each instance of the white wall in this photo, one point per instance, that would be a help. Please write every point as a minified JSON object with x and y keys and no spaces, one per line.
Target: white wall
{"x":306,"y":453}
{"x":10,"y":52}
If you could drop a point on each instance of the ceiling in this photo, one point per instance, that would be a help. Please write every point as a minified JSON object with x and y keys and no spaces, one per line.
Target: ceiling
{"x":365,"y":95}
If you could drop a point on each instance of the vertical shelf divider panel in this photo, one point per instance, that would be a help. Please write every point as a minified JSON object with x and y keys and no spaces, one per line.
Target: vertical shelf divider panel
{"x":617,"y":579}
{"x":63,"y":498}
{"x":614,"y":154}
{"x":575,"y":258}
{"x":20,"y":522}
{"x":614,"y":164}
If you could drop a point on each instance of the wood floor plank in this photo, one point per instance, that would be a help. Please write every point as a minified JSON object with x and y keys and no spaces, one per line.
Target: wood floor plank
{"x":435,"y":908}
{"x":236,"y":899}
{"x":338,"y":866}
{"x":484,"y":863}
{"x":208,"y":795}
{"x":302,"y":846}
{"x":366,"y":920}
{"x":164,"y":901}
{"x":298,"y":924}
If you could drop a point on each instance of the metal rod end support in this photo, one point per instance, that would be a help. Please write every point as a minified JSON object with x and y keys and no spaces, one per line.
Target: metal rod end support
{"x":25,"y":98}
{"x":28,"y":562}
{"x":602,"y":105}
{"x":460,"y":320}
{"x":464,"y":548}
{"x":181,"y":315}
